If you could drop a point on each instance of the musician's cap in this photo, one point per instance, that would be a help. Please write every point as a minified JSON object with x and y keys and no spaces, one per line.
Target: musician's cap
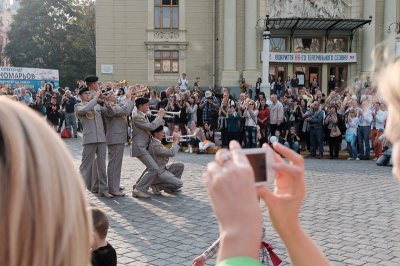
{"x":159,"y":129}
{"x":91,"y":78}
{"x":208,"y":94}
{"x":141,"y":100}
{"x":83,"y":89}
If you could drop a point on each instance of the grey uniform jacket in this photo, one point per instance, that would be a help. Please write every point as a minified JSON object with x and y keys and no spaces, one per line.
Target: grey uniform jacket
{"x":161,"y":154}
{"x":117,"y":125}
{"x":141,"y":129}
{"x":90,"y":115}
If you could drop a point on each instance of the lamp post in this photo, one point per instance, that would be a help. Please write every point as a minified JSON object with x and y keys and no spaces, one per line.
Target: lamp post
{"x":397,"y":29}
{"x":265,"y":86}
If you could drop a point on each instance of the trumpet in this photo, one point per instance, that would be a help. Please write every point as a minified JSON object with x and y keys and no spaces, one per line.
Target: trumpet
{"x":182,"y":138}
{"x":139,"y":93}
{"x":121,"y":83}
{"x":167,"y":114}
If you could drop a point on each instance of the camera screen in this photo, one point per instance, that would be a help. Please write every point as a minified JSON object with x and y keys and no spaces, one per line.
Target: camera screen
{"x":259,"y":164}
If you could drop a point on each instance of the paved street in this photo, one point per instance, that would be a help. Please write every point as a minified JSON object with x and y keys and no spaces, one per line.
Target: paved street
{"x":352,"y":211}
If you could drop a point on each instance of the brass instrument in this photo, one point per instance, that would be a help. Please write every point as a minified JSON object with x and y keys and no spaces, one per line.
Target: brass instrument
{"x":167,"y":114}
{"x":182,"y":138}
{"x":139,"y":93}
{"x":120,"y":84}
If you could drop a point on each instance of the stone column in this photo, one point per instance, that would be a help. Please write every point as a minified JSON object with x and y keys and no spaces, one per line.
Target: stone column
{"x":368,"y":36}
{"x":250,"y":72}
{"x":230,"y":75}
{"x":389,"y":17}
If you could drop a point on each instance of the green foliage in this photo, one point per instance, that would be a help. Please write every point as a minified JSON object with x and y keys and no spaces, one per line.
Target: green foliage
{"x":54,"y":34}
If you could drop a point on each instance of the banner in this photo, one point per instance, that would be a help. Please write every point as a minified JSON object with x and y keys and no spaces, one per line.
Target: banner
{"x":313,"y":57}
{"x":29,"y":73}
{"x":29,"y":78}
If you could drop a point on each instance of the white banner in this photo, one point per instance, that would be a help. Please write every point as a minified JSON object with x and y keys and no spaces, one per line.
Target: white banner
{"x":20,"y":73}
{"x":313,"y":57}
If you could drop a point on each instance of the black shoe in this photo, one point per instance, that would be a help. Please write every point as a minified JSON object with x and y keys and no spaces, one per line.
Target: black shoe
{"x":310,"y":157}
{"x":367,"y":159}
{"x":75,"y":136}
{"x":320,"y":157}
{"x":331,"y":157}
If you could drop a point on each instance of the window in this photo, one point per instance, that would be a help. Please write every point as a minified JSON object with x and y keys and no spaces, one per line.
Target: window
{"x":166,"y":14}
{"x":166,"y":61}
{"x":277,"y":45}
{"x":337,"y":45}
{"x":307,"y":45}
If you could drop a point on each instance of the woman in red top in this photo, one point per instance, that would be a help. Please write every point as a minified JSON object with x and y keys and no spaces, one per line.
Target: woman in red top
{"x":263,"y":121}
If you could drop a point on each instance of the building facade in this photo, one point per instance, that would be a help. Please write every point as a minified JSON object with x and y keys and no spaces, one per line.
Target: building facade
{"x":152,"y":42}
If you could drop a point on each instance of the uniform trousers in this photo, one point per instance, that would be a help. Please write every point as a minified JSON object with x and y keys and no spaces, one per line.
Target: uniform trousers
{"x":91,"y":152}
{"x":115,"y":156}
{"x":170,"y":179}
{"x":146,"y":180}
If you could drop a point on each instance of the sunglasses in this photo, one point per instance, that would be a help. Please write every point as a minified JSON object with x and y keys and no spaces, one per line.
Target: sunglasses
{"x":251,"y":103}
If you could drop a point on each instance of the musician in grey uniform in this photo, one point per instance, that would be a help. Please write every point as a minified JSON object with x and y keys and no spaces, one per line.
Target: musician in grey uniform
{"x":94,"y":138}
{"x":169,"y":175}
{"x":141,"y":128}
{"x":116,"y":137}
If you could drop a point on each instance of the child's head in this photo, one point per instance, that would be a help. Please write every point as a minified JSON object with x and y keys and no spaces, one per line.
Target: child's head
{"x":277,"y":133}
{"x":292,"y":130}
{"x":176,"y":128}
{"x":100,"y":223}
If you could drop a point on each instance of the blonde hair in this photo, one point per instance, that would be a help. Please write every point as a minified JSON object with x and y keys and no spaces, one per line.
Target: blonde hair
{"x":42,"y":198}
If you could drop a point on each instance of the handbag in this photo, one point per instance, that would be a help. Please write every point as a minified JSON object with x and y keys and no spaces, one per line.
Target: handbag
{"x":349,"y":136}
{"x":66,"y":134}
{"x":335,"y":132}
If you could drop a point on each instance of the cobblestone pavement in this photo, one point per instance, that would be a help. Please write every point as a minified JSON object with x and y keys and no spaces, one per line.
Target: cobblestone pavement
{"x":352,"y":212}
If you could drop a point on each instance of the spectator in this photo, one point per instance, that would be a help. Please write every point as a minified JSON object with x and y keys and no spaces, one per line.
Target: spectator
{"x":222,"y":121}
{"x":45,"y":228}
{"x":260,"y":97}
{"x":17,"y":89}
{"x":386,"y":158}
{"x":233,"y":118}
{"x":294,"y":83}
{"x":208,"y":138}
{"x":209,"y":105}
{"x":196,"y":88}
{"x":172,"y":106}
{"x":334,"y":120}
{"x":25,"y":97}
{"x":250,"y":116}
{"x":331,"y":84}
{"x":38,"y":106}
{"x":183,"y":82}
{"x":194,"y":130}
{"x":53,"y":113}
{"x":278,"y":87}
{"x":199,"y":114}
{"x":377,"y":128}
{"x":153,"y":100}
{"x":258,"y":87}
{"x":292,"y":140}
{"x":276,"y":114}
{"x":351,"y":135}
{"x":68,"y":103}
{"x":364,"y":131}
{"x":103,"y":254}
{"x":242,"y":85}
{"x":316,"y":123}
{"x":191,"y":110}
{"x":263,"y":120}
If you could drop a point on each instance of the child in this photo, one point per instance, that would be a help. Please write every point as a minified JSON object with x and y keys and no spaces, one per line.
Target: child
{"x":208,"y":139}
{"x":351,"y":135}
{"x":103,"y":254}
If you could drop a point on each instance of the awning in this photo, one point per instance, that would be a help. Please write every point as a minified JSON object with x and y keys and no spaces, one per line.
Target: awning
{"x":328,"y":25}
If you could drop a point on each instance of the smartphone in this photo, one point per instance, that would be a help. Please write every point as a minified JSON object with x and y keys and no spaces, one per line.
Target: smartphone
{"x":290,"y":106}
{"x":261,"y":160}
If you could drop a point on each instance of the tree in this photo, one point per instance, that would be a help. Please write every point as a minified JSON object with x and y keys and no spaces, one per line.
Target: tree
{"x":54,"y":34}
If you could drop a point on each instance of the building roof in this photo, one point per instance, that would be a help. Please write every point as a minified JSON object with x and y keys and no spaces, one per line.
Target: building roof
{"x":319,"y":24}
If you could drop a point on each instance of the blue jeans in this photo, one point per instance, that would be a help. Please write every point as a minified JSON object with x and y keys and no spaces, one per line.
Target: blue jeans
{"x":295,"y":146}
{"x":352,"y":148}
{"x":363,"y":136}
{"x":251,"y":137}
{"x":278,"y":93}
{"x":316,"y":139}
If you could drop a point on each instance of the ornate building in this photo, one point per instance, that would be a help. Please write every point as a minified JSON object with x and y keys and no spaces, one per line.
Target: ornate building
{"x":155,"y":41}
{"x":6,"y":11}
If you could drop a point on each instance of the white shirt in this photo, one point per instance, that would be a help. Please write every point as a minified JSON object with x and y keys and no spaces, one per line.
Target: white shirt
{"x":184,"y":83}
{"x":379,"y":121}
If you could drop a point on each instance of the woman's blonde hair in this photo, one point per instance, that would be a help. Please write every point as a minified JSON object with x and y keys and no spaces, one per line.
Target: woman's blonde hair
{"x":44,"y":219}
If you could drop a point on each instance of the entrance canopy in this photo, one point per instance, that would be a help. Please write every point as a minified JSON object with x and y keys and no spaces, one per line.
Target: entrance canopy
{"x":328,"y":25}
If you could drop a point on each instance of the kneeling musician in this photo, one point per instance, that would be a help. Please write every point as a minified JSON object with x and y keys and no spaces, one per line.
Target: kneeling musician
{"x":169,"y":175}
